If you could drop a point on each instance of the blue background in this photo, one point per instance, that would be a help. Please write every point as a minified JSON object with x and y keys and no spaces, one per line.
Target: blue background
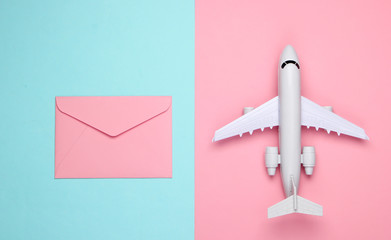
{"x":68,"y":48}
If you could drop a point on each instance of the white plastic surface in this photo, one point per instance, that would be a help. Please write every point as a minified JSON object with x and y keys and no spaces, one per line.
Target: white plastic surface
{"x":286,"y":206}
{"x":294,"y":204}
{"x":281,"y":208}
{"x":289,"y":130}
{"x":314,"y":115}
{"x":261,"y":117}
{"x":271,"y":160}
{"x":247,"y":110}
{"x":290,"y":111}
{"x":308,"y":160}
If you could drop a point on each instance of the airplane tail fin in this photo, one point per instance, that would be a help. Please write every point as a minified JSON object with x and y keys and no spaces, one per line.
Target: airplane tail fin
{"x":294,"y":204}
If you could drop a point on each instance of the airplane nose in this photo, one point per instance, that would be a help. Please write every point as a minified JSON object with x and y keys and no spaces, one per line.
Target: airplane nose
{"x":288,"y":53}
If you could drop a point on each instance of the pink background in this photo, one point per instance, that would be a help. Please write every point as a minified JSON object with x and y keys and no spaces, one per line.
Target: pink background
{"x":344,"y":48}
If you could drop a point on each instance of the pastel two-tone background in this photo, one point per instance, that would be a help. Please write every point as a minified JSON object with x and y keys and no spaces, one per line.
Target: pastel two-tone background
{"x":214,"y":57}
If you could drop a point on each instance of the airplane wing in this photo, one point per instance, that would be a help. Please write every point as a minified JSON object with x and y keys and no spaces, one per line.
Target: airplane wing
{"x":314,"y":115}
{"x":261,"y":117}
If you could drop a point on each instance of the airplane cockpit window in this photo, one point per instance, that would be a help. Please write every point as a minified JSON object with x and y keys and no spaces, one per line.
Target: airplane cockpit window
{"x":288,"y":62}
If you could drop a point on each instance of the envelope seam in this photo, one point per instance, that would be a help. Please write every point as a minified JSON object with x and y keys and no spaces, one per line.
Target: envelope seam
{"x":67,"y":153}
{"x":169,"y":106}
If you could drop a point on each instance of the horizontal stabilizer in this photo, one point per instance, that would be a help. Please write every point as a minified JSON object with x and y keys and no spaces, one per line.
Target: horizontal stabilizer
{"x":294,"y":204}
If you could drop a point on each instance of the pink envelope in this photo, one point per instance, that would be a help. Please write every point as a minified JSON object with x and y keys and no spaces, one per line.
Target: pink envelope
{"x":113,"y":137}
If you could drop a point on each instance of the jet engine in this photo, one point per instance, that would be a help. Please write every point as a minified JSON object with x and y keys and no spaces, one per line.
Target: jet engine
{"x":247,"y":110}
{"x":308,"y":159}
{"x":271,"y":160}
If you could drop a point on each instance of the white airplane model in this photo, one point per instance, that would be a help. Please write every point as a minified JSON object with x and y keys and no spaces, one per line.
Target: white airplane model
{"x":289,"y":110}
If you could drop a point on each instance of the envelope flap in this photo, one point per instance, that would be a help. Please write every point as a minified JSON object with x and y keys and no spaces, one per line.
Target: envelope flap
{"x":114,"y":115}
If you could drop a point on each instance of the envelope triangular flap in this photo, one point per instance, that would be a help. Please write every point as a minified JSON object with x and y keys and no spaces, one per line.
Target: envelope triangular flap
{"x":114,"y":115}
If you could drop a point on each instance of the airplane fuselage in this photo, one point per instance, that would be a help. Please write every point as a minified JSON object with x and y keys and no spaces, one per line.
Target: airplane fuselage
{"x":289,"y":124}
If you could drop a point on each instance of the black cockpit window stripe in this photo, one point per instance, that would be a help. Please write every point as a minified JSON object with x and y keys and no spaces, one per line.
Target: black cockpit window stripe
{"x":289,"y":61}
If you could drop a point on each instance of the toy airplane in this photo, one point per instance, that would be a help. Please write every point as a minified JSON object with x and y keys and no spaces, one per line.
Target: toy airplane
{"x":289,"y":110}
